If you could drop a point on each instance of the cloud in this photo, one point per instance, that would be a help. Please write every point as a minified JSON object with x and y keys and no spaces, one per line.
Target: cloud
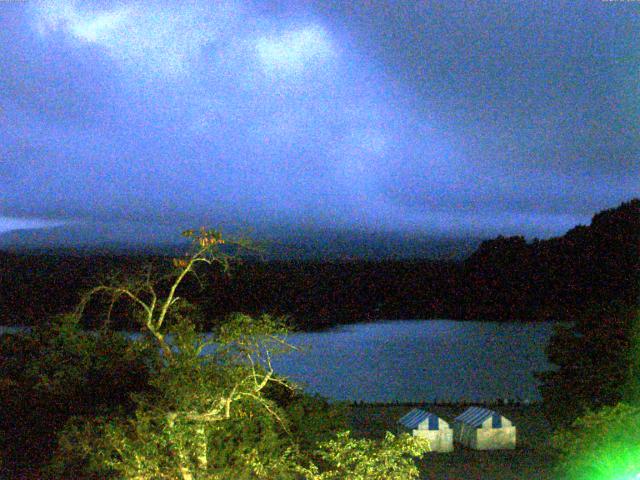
{"x":83,"y":24}
{"x":8,"y":224}
{"x":293,"y":51}
{"x":161,"y":39}
{"x":103,"y":28}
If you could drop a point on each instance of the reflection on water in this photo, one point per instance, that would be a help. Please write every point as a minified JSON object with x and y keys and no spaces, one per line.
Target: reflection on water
{"x":411,"y":361}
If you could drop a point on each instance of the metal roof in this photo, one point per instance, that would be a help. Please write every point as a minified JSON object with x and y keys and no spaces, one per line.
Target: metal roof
{"x":476,"y":416}
{"x":415,"y":417}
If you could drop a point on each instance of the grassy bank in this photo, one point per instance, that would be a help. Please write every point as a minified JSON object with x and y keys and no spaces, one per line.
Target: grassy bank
{"x":531,"y":460}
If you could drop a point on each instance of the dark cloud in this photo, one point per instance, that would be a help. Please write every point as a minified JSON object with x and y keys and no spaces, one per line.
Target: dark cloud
{"x":446,"y":117}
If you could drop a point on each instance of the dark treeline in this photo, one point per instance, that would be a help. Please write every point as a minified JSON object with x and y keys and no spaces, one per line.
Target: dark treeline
{"x":559,"y":278}
{"x":505,"y":279}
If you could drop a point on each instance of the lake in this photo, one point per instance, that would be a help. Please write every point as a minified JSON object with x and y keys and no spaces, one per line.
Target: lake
{"x":420,"y":360}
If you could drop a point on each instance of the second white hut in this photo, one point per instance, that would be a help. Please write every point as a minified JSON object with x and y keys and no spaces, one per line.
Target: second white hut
{"x":427,"y":425}
{"x":483,"y":429}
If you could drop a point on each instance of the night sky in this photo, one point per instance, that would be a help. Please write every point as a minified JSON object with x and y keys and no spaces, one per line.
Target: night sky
{"x":449,"y":118}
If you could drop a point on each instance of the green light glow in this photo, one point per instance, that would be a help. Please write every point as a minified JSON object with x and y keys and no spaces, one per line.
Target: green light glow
{"x":631,"y":477}
{"x":620,"y":462}
{"x":602,"y":445}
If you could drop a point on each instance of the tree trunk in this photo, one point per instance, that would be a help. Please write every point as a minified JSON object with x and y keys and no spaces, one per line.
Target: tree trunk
{"x":202,"y":447}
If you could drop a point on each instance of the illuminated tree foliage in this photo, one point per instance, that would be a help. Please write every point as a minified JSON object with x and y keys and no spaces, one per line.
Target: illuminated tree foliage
{"x":360,"y":459}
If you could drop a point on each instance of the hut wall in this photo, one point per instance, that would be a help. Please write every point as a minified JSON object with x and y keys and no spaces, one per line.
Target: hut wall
{"x":485,"y":438}
{"x":496,"y":438}
{"x":439,"y":440}
{"x":464,"y":434}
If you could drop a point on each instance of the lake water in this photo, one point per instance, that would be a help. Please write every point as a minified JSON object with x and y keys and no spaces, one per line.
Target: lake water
{"x":422,"y":360}
{"x":419,"y":361}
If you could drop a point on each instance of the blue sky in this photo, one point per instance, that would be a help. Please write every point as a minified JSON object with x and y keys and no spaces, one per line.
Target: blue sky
{"x":449,"y":118}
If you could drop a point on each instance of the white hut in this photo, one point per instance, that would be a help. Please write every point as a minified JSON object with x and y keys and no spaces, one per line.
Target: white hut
{"x":427,"y":425}
{"x":483,"y":429}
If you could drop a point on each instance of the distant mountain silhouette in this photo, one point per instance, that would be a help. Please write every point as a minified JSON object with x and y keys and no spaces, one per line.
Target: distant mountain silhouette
{"x":279,"y":243}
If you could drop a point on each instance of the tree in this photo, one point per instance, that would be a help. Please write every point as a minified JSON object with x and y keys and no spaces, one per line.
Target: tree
{"x":152,"y":310}
{"x":191,"y":424}
{"x":215,"y":407}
